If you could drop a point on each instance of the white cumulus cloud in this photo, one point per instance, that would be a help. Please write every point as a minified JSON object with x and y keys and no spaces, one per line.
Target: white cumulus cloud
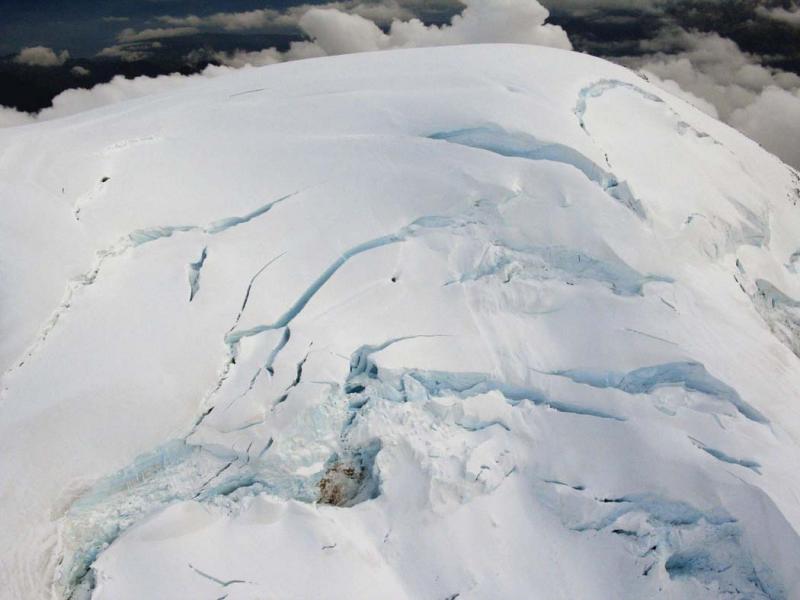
{"x":790,"y":15}
{"x":713,"y":73}
{"x":333,"y":31}
{"x":118,"y":89}
{"x":773,"y":120}
{"x":10,"y":117}
{"x":41,"y":56}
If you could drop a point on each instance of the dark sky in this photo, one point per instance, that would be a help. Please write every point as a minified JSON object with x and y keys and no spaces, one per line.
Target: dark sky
{"x":80,"y":26}
{"x":84,"y":27}
{"x":604,"y":27}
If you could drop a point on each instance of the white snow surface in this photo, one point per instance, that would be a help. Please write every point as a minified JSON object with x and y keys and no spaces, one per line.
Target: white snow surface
{"x":481,"y":322}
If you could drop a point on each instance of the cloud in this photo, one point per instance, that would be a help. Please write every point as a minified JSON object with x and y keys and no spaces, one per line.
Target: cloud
{"x":713,"y":73}
{"x":119,"y":89}
{"x":125,"y":52}
{"x":41,"y":56}
{"x":77,"y":100}
{"x":773,"y":120}
{"x":233,"y":21}
{"x":587,"y":7}
{"x":790,"y":16}
{"x":10,"y":117}
{"x":485,"y":21}
{"x":337,"y":32}
{"x":138,"y":45}
{"x":241,"y":58}
{"x":80,"y":71}
{"x":333,"y":31}
{"x":129,"y":35}
{"x":133,"y":45}
{"x":380,"y":12}
{"x":676,"y":90}
{"x":267,"y":19}
{"x":713,"y":68}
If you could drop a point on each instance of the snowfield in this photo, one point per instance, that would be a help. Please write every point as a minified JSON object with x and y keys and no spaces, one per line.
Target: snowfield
{"x":481,"y":322}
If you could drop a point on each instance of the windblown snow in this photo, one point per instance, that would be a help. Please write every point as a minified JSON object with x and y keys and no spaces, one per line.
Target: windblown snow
{"x":485,"y":322}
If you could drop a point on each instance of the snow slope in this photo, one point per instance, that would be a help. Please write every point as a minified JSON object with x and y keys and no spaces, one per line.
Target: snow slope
{"x":486,"y":322}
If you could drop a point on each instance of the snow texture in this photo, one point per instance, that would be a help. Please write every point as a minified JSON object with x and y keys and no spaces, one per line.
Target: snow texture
{"x":472,"y":322}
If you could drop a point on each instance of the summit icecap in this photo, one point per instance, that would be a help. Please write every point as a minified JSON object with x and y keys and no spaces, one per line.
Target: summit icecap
{"x":469,"y":322}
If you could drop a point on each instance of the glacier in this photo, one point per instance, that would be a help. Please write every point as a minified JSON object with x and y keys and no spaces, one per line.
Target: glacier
{"x":470,"y":322}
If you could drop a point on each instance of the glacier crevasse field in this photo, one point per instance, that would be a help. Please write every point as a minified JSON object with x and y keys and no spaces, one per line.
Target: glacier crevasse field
{"x":480,"y":322}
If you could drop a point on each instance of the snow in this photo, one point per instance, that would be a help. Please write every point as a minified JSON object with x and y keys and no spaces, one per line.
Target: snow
{"x":471,"y":322}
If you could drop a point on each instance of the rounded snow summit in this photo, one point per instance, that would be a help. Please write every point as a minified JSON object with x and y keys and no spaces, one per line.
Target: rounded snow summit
{"x":476,"y":323}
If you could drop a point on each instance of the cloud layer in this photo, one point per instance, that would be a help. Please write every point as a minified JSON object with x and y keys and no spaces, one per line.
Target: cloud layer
{"x":713,"y":73}
{"x":332,"y":31}
{"x":773,"y":120}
